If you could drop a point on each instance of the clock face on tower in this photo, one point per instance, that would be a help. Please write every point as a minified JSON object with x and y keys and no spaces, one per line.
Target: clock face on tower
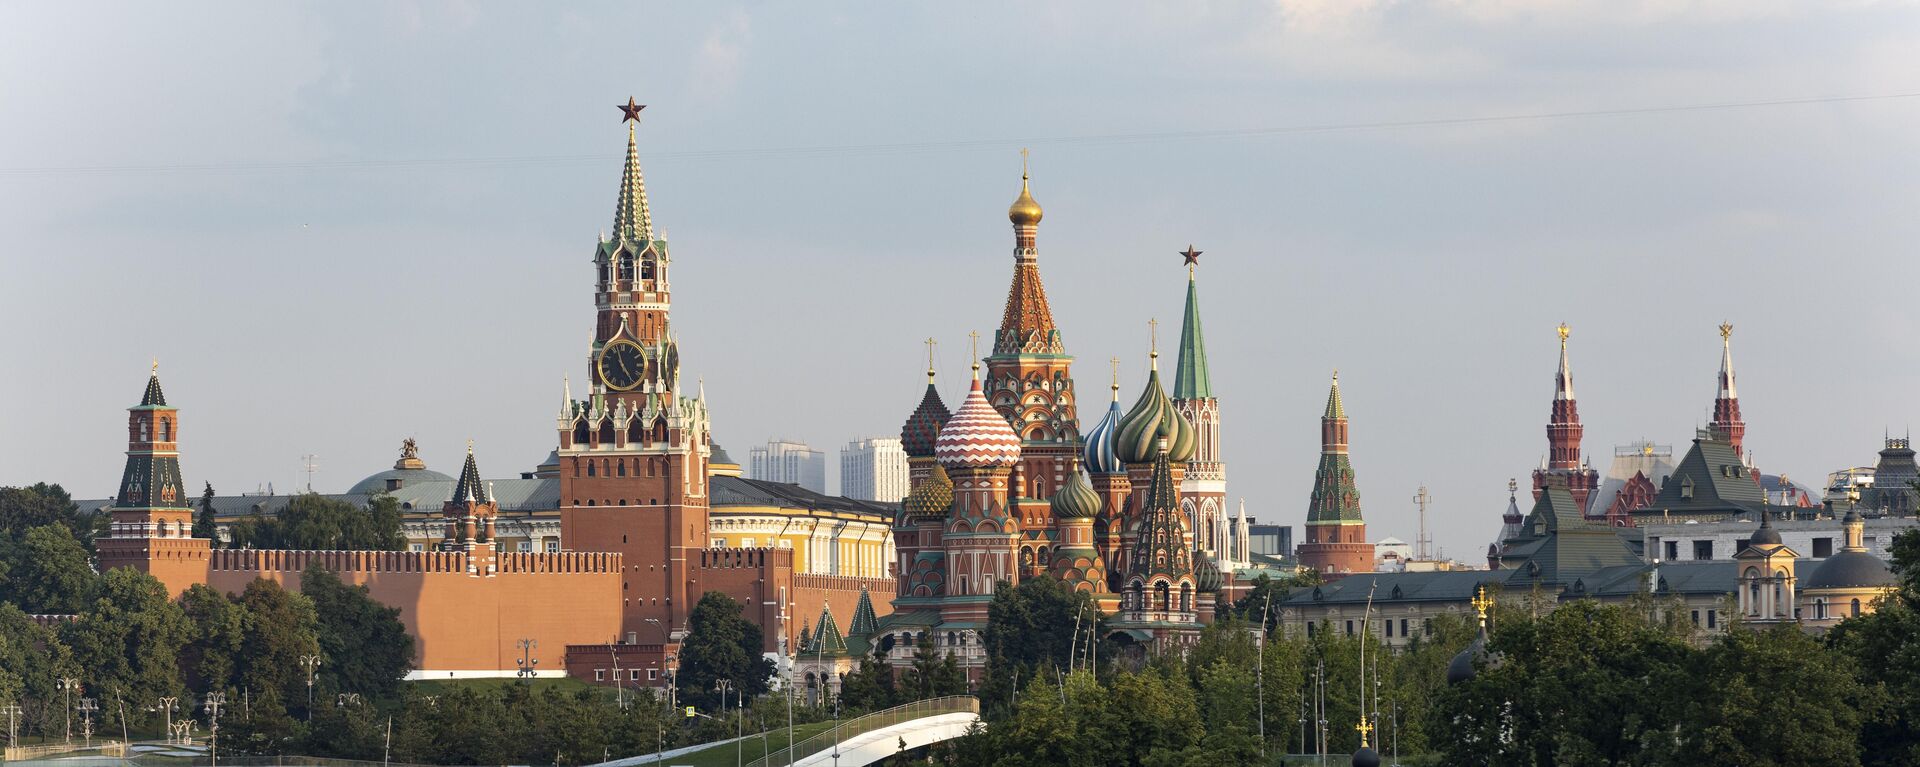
{"x":621,"y":365}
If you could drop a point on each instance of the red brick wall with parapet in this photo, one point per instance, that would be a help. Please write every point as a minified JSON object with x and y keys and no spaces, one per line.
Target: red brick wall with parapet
{"x":461,"y":622}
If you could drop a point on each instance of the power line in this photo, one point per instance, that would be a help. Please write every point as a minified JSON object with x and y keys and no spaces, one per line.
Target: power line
{"x":926,"y":147}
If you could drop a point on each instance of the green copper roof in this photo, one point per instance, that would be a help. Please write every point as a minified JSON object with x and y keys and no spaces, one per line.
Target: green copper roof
{"x":1335,"y":409}
{"x":1190,"y":379}
{"x":1335,"y":498}
{"x":827,"y":639}
{"x":864,"y":623}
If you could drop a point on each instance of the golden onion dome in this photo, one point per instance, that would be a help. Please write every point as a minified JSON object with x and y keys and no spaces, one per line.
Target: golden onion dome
{"x":932,"y":497}
{"x":1024,"y":211}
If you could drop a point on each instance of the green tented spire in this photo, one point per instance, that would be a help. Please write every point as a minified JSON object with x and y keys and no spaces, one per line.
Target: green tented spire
{"x":865,"y":623}
{"x":1190,"y":378}
{"x":827,"y":639}
{"x":1335,"y":408}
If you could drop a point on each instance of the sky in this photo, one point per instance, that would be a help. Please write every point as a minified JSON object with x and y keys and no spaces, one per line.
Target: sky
{"x":337,"y":225}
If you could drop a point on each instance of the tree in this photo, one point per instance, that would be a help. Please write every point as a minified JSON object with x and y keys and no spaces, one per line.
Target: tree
{"x":31,"y":658}
{"x":315,"y":522}
{"x":870,"y":687}
{"x":367,"y":648}
{"x":205,"y":524}
{"x":211,"y":658}
{"x":1751,"y":681}
{"x":130,"y":639}
{"x":1885,"y":646}
{"x":1030,"y":632}
{"x":47,"y":571}
{"x":280,"y":627}
{"x":721,"y":644}
{"x":1270,"y":591}
{"x":931,"y":674}
{"x":25,"y":508}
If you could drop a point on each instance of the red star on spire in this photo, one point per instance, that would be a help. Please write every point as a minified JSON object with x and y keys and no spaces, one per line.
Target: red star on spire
{"x":1192,"y":256}
{"x":630,"y":110}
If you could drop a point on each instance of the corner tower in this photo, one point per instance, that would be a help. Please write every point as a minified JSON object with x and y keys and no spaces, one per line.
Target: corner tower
{"x":152,"y":528}
{"x":1029,"y":376}
{"x":1336,"y":541}
{"x":633,"y":454}
{"x":1203,"y":491}
{"x":1563,"y":439}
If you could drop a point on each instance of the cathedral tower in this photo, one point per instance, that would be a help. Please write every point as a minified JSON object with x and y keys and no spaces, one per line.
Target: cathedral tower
{"x":633,"y":475}
{"x":1336,"y":541}
{"x":1203,"y":491}
{"x":979,"y":451}
{"x":1111,"y":484}
{"x":1563,"y":439}
{"x":1726,"y":404}
{"x":1149,"y":433}
{"x":923,"y":512}
{"x":1029,"y":377}
{"x":152,"y":528}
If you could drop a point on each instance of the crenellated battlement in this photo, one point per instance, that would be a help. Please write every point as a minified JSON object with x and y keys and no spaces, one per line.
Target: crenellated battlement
{"x":265,"y":560}
{"x":736,"y":557}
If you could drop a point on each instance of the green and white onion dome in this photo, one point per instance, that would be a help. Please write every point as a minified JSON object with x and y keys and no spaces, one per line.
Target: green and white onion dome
{"x":1075,"y":499}
{"x":1151,"y":420}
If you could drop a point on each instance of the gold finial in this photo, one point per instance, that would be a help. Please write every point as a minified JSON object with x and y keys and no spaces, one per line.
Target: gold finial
{"x":1364,"y":729}
{"x":469,"y":446}
{"x":1513,"y":486}
{"x":1115,"y":362}
{"x":1023,"y":163}
{"x":1153,"y":341}
{"x":1025,"y":211}
{"x":1482,"y":603}
{"x":156,"y":367}
{"x":1726,"y":332}
{"x":1564,"y":330}
{"x":930,"y":344}
{"x":974,"y":340}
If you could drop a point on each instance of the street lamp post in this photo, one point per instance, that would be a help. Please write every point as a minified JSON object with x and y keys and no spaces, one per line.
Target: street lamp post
{"x":312,"y":663}
{"x":619,"y":688}
{"x":215,"y":701}
{"x":166,"y":709}
{"x":67,"y":687}
{"x":13,"y":723}
{"x":87,"y":707}
{"x":527,"y":661}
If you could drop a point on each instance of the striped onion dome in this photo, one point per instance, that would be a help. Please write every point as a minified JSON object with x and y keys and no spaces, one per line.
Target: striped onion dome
{"x":923,"y":427}
{"x":1075,"y":499}
{"x":1152,"y":419}
{"x":1099,"y":451}
{"x":932,"y":497}
{"x":977,"y":436}
{"x":1207,"y":577}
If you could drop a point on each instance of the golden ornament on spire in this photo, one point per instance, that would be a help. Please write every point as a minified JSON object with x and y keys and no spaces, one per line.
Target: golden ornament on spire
{"x":1564,"y":330}
{"x":1024,"y":212}
{"x":1481,"y":603}
{"x":973,"y":340}
{"x":1726,"y":331}
{"x":930,"y":344}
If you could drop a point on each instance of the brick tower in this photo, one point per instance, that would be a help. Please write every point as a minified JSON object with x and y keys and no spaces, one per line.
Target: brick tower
{"x":633,"y":475}
{"x":1563,"y":439}
{"x":1336,"y":541}
{"x":1726,"y":404}
{"x":1030,"y":381}
{"x":916,"y":531}
{"x":1203,"y":491}
{"x":469,"y":514}
{"x":152,"y":529}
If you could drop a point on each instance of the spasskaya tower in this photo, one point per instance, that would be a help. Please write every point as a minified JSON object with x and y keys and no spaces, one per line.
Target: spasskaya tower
{"x":633,"y":454}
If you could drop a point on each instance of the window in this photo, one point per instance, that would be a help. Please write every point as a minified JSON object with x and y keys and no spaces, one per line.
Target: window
{"x":1309,"y":629}
{"x":1349,"y":628}
{"x":1696,"y":617}
{"x":416,"y":547}
{"x":1711,"y":618}
{"x":1822,"y":548}
{"x":654,"y":673}
{"x":633,"y":675}
{"x":1703,"y":549}
{"x":1673,"y":550}
{"x":553,"y":544}
{"x":1389,"y":623}
{"x":718,"y":543}
{"x":1426,"y":627}
{"x":1403,"y":627}
{"x":1820,"y":609}
{"x":1856,"y":608}
{"x":599,"y":675}
{"x":746,"y":543}
{"x":525,"y":546}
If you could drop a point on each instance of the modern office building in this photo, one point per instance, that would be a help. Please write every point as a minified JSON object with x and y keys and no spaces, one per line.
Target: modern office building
{"x":874,"y":469}
{"x":790,"y":462}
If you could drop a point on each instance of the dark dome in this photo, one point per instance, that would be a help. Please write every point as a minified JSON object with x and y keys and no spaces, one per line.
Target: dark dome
{"x":1207,"y":577}
{"x":1849,"y":569}
{"x":408,"y":477}
{"x":1461,"y":669}
{"x":1366,"y":757}
{"x":1765,"y":536}
{"x":922,"y":428}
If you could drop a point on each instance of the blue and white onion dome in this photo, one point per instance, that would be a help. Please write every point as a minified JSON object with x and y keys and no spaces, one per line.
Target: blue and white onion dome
{"x":1101,"y":455}
{"x":977,"y":436}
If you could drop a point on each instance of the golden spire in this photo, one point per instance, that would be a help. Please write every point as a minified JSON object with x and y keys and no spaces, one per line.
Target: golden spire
{"x":930,"y":344}
{"x":974,"y":341}
{"x":1024,"y":212}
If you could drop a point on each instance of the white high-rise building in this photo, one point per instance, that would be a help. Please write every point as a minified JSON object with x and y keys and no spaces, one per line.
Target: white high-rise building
{"x":788,"y":461}
{"x":874,"y":469}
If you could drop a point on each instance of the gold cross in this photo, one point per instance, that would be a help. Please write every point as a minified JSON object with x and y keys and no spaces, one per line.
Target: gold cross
{"x":1023,"y":162}
{"x":930,"y":344}
{"x":1364,"y":729}
{"x":1153,"y":332}
{"x":1481,"y":603}
{"x":1116,"y":372}
{"x":974,"y":351}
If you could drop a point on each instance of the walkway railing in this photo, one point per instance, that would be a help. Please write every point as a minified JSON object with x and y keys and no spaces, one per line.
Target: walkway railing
{"x":956,"y":704}
{"x":23,"y":753}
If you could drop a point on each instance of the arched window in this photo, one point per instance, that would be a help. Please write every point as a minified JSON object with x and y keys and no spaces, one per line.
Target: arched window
{"x":1753,"y":598}
{"x":1164,"y":594}
{"x":1820,"y":609}
{"x":166,"y":430}
{"x":590,"y":468}
{"x":143,"y":430}
{"x":1856,"y":607}
{"x":646,"y":269}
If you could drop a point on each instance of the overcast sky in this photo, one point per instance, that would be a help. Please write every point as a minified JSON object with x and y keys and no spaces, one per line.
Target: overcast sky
{"x":338,"y":225}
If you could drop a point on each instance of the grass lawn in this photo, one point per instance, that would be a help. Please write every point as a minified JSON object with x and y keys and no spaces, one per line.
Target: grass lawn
{"x":723,"y":755}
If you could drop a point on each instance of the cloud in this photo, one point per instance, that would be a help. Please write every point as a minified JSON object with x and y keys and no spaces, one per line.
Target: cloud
{"x":722,"y":54}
